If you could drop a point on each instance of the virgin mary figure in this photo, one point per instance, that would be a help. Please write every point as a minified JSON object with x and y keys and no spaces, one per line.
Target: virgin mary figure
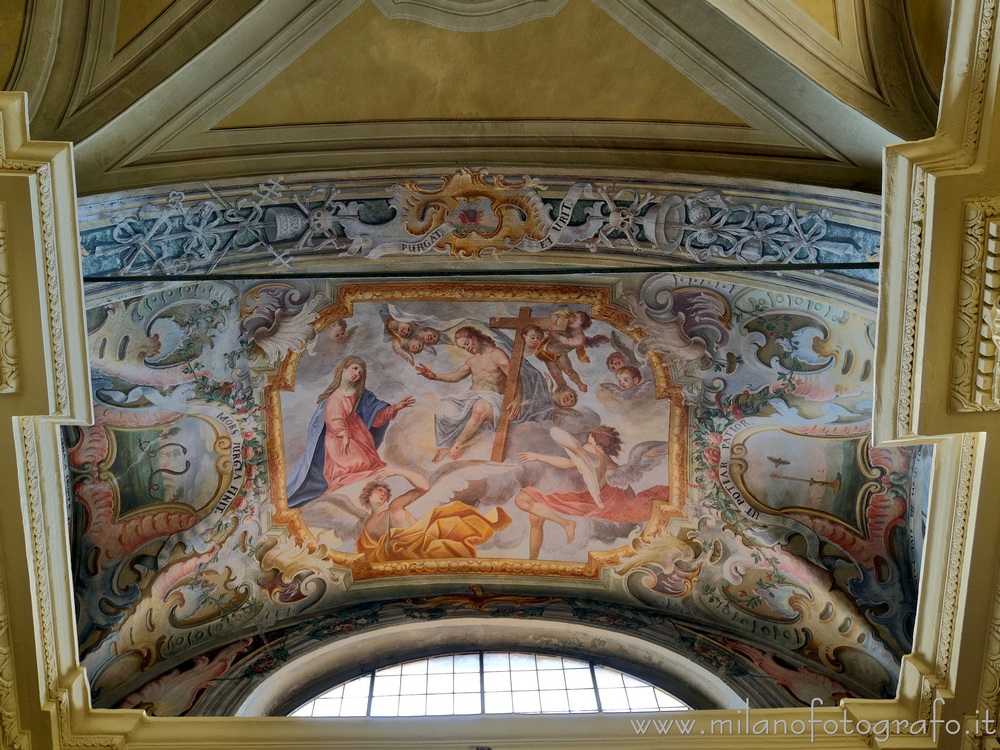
{"x":344,"y":434}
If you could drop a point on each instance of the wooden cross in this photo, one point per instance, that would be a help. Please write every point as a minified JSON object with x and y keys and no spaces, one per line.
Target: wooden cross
{"x":518,"y":324}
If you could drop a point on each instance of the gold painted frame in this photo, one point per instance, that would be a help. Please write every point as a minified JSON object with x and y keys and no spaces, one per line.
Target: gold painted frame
{"x":602,"y":308}
{"x":738,"y":466}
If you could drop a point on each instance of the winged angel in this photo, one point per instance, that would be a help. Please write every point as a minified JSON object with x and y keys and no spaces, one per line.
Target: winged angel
{"x":609,"y":494}
{"x":386,"y":529}
{"x":446,"y":516}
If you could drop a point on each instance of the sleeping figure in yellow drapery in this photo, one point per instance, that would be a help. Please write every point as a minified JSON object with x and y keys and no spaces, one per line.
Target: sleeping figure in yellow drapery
{"x":391,"y":532}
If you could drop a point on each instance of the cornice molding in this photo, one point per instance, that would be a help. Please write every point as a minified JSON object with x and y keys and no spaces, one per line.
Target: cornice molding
{"x":470,"y":15}
{"x":981,"y":64}
{"x":171,"y":133}
{"x":913,"y":168}
{"x":856,"y":65}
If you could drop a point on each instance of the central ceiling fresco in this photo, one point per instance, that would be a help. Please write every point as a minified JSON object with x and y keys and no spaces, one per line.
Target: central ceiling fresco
{"x":328,"y":405}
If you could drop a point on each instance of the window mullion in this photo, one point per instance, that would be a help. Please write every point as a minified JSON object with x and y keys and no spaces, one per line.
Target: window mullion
{"x":371,"y":692}
{"x":593,"y":682}
{"x":482,"y":684}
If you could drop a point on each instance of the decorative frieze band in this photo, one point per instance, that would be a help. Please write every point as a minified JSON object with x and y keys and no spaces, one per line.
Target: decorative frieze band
{"x":911,"y":298}
{"x":284,"y":226}
{"x":980,"y":72}
{"x":956,"y":557}
{"x":975,"y":362}
{"x":10,"y":730}
{"x":52,"y":283}
{"x":8,"y":352}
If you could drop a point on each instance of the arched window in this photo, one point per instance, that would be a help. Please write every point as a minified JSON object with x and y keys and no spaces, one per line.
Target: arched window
{"x":304,"y":677}
{"x":490,"y":682}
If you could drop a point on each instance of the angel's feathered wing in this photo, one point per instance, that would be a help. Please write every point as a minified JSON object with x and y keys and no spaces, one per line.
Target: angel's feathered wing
{"x":473,"y":483}
{"x":443,"y":327}
{"x":335,"y":512}
{"x":402,"y":352}
{"x":580,"y":460}
{"x":643,"y":457}
{"x":624,"y":346}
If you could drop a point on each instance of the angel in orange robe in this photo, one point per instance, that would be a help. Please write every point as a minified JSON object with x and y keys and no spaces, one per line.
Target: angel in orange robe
{"x":392,"y":533}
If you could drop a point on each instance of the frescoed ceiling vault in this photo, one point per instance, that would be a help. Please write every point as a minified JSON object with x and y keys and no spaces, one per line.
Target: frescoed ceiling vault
{"x":557,"y":312}
{"x":325,"y":406}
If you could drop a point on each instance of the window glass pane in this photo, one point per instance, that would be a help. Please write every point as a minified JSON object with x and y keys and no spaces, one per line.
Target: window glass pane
{"x":551,"y":680}
{"x":468,"y":703}
{"x":608,"y":677}
{"x":522,"y":661}
{"x":578,"y":678}
{"x":554,"y":702}
{"x":575,"y":664}
{"x":441,"y":664}
{"x":386,"y":685}
{"x":548,"y":662}
{"x":354,"y":706}
{"x":414,"y":684}
{"x":358,"y":688}
{"x":582,"y":700}
{"x":499,"y":703}
{"x":667,"y":701}
{"x":494,"y":662}
{"x":394,"y":669}
{"x":467,"y":683}
{"x":641,"y":699}
{"x":387,"y":705}
{"x":337,"y":692}
{"x":440,"y":683}
{"x":614,"y":699}
{"x":415,"y":667}
{"x":467,"y":663}
{"x":526,"y":702}
{"x":305,"y":710}
{"x":494,"y":681}
{"x":441,"y":705}
{"x":523,"y":681}
{"x":412,"y":705}
{"x":326,"y":707}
